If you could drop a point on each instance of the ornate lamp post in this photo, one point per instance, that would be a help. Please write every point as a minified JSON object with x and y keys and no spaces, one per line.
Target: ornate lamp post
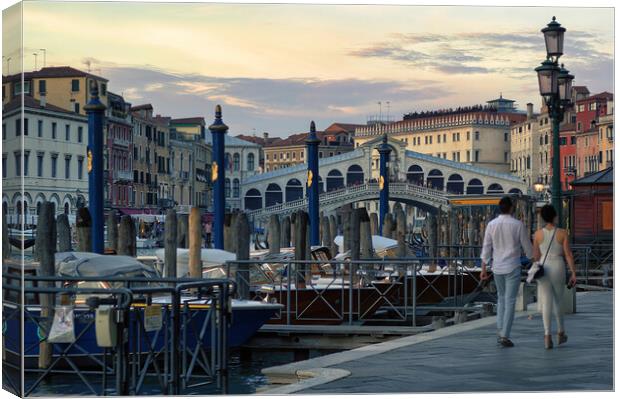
{"x":555,"y":84}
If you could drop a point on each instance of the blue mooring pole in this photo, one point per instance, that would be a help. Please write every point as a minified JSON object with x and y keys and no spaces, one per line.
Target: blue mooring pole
{"x":384,"y":181}
{"x":94,"y":162}
{"x":218,"y":130}
{"x":312,"y":145}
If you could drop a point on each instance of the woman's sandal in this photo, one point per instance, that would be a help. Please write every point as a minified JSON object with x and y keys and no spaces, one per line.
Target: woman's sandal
{"x":548,"y":342}
{"x":562,"y":338}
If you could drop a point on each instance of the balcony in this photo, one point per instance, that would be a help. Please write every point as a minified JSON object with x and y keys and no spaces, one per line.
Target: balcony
{"x":183,"y":176}
{"x":571,"y":170}
{"x":121,"y":142}
{"x":123,"y":175}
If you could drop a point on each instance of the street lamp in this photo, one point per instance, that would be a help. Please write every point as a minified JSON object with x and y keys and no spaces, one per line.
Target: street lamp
{"x":539,"y":187}
{"x":555,"y":85}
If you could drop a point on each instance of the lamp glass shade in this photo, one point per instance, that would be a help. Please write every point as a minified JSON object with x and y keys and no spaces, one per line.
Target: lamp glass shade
{"x":565,"y":85}
{"x":538,"y":187}
{"x":548,"y":78}
{"x":554,"y":38}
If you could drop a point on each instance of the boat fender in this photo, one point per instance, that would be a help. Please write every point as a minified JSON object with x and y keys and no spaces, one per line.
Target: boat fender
{"x":105,"y":326}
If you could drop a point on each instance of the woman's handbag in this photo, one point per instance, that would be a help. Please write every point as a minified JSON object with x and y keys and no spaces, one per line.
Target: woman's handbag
{"x":537,"y":270}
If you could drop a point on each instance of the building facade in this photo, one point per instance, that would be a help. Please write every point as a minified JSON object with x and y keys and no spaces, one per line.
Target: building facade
{"x":241,"y":161}
{"x":65,"y":87}
{"x":588,"y":111}
{"x":118,"y":153}
{"x":45,"y":152}
{"x":145,"y":180}
{"x":606,"y":137}
{"x":475,"y":135}
{"x":524,"y":143}
{"x":335,"y":140}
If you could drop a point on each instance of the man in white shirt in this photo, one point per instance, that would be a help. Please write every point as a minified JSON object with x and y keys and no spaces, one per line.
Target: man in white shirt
{"x":504,"y":238}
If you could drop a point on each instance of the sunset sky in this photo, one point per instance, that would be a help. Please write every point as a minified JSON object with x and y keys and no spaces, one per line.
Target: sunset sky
{"x":276,"y":67}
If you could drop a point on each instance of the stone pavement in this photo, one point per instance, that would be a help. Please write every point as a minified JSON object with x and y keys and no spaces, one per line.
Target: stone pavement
{"x":471,"y":361}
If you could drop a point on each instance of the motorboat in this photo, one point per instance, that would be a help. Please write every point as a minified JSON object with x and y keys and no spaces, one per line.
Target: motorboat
{"x":22,"y":238}
{"x":247,"y":316}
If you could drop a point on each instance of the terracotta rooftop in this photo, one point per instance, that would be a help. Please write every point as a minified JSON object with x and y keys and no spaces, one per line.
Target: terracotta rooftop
{"x":347,"y":127}
{"x":52,"y":72}
{"x":262,"y":141}
{"x":141,"y":107}
{"x":197,"y":119}
{"x":603,"y":96}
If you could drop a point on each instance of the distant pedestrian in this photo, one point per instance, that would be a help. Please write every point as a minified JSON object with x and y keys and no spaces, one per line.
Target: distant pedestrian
{"x":504,"y":238}
{"x":552,"y":249}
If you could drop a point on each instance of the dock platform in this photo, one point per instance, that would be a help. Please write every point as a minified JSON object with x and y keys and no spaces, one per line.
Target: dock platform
{"x":467,"y":358}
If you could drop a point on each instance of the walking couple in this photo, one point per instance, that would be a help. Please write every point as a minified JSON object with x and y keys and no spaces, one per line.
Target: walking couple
{"x":504,"y":239}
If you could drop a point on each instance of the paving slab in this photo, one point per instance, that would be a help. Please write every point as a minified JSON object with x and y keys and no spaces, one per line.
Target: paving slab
{"x":472,"y":361}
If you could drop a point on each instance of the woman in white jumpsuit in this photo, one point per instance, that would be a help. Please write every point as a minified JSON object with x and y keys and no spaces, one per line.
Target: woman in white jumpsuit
{"x":553,"y":243}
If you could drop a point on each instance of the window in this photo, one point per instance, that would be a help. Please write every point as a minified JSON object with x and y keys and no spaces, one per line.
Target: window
{"x":53,"y":130}
{"x":76,"y":108}
{"x":26,"y":126}
{"x":67,"y":133}
{"x":80,"y":133}
{"x":505,"y":156}
{"x":227,"y":188}
{"x":3,"y":165}
{"x":320,"y":154}
{"x":468,"y":155}
{"x":236,"y":188}
{"x":477,"y":156}
{"x":592,"y":106}
{"x":505,"y":136}
{"x":75,"y":85}
{"x":18,"y":163}
{"x":18,"y":127}
{"x":546,"y":139}
{"x":40,"y":164}
{"x":578,"y":126}
{"x":40,"y":128}
{"x":430,"y":139}
{"x":67,"y":167}
{"x":17,"y":89}
{"x":54,"y":164}
{"x":438,"y":138}
{"x":444,"y":137}
{"x":468,"y":136}
{"x":236,"y":161}
{"x":81,"y":167}
{"x":103,"y":90}
{"x":26,"y":159}
{"x":301,"y":155}
{"x":477,"y":135}
{"x":42,"y":87}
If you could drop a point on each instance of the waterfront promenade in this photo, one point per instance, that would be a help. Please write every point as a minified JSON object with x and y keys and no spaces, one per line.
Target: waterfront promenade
{"x":466,"y":358}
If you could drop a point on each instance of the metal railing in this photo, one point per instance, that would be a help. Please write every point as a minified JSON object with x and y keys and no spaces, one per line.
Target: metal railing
{"x":378,"y":291}
{"x":188,"y":350}
{"x":594,"y":264}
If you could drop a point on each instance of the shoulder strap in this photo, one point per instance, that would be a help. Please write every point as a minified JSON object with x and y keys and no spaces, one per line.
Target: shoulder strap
{"x":549,"y":246}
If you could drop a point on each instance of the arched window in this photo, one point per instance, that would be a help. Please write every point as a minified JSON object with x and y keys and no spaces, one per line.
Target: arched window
{"x":227,"y":188}
{"x":235,"y":188}
{"x":273,"y":195}
{"x":475,"y":187}
{"x":227,"y":161}
{"x":355,"y":175}
{"x":66,"y":208}
{"x":321,"y":185}
{"x":236,"y":162}
{"x":515,"y":191}
{"x":294,"y":190}
{"x":335,"y":180}
{"x":253,"y":199}
{"x":435,"y":179}
{"x":250,"y":165}
{"x":415,"y":175}
{"x":455,"y":184}
{"x":495,"y":189}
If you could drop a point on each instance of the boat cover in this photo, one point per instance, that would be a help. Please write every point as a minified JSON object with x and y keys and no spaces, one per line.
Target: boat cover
{"x":88,"y":264}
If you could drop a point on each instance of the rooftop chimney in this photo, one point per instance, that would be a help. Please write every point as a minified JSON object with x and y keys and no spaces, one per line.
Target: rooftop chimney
{"x":530,"y":110}
{"x":265,"y":135}
{"x":42,"y":101}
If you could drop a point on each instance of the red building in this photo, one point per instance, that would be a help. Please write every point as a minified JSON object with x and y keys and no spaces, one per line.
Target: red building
{"x":568,"y":155}
{"x":588,"y":111}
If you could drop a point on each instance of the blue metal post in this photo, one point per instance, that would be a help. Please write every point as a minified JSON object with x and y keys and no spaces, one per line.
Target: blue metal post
{"x":218,"y":130}
{"x":312,"y":145}
{"x":94,"y":161}
{"x":384,"y":181}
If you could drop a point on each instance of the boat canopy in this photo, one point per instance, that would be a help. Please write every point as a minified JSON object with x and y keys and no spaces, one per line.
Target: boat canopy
{"x":379,"y":243}
{"x":209,"y":257}
{"x":88,"y":264}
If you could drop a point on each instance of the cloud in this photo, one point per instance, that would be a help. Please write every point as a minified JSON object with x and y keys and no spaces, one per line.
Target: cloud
{"x":279,"y":106}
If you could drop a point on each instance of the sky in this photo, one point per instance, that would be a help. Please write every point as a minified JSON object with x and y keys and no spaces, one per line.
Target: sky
{"x":274,"y":68}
